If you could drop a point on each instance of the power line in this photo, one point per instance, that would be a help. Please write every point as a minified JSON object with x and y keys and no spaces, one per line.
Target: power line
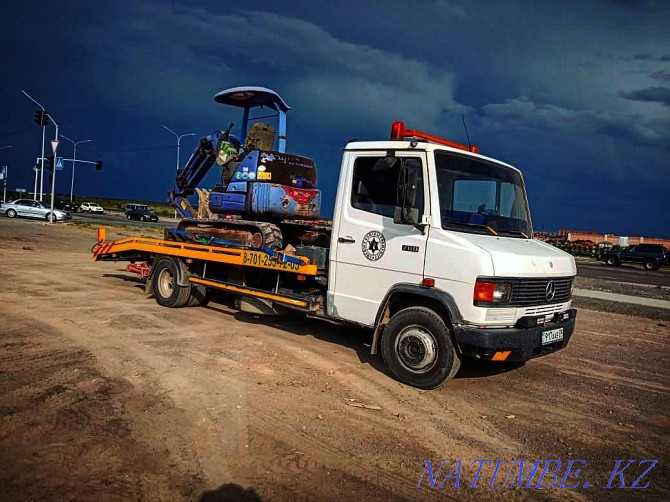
{"x":128,"y":149}
{"x":16,"y":132}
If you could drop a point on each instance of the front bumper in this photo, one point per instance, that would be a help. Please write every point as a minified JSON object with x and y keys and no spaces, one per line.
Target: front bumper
{"x":522,"y":343}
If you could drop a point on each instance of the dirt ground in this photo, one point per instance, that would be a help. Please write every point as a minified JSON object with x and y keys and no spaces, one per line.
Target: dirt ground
{"x":105,"y":395}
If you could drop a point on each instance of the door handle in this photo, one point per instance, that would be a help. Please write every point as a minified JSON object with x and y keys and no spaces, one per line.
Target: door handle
{"x":346,"y":240}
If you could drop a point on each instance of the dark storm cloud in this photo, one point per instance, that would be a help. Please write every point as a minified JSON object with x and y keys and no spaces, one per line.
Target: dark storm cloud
{"x":652,"y":94}
{"x":645,"y":6}
{"x":661,"y":76}
{"x":651,"y":57}
{"x":530,"y":77}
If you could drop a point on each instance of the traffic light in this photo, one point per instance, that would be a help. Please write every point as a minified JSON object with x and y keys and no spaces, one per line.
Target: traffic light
{"x":42,"y":117}
{"x":98,"y":165}
{"x":49,"y":163}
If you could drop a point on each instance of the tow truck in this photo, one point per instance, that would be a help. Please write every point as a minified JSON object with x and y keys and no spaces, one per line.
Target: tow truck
{"x":430,"y":247}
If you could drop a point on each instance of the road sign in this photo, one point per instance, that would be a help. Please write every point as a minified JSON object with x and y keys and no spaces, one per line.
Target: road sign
{"x":54,"y":145}
{"x":59,"y":163}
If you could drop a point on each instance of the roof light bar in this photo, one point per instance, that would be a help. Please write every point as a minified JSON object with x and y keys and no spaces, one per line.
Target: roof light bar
{"x":398,"y":132}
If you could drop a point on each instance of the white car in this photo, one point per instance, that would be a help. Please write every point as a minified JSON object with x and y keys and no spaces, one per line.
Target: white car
{"x":91,"y":207}
{"x":32,"y":209}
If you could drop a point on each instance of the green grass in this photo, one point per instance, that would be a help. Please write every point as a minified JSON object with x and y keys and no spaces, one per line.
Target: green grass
{"x":119,"y":205}
{"x":114,"y":205}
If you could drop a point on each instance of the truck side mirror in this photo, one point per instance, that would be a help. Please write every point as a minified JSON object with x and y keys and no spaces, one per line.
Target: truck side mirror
{"x":405,"y":212}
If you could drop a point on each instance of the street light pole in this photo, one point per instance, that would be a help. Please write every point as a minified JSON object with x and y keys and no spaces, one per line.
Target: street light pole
{"x":178,"y":140}
{"x":74,"y":160}
{"x":53,"y":177}
{"x":43,"y":132}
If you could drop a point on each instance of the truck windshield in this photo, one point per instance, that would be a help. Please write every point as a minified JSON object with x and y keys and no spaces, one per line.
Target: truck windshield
{"x":477,"y":196}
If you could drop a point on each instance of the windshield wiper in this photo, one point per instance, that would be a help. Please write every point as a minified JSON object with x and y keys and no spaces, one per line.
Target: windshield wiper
{"x":471,"y":225}
{"x":515,"y":232}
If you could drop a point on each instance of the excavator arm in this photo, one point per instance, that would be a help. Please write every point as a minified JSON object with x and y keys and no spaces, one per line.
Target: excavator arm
{"x":190,"y":176}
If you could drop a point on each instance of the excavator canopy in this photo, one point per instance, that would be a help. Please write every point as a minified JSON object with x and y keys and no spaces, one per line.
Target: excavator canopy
{"x":248,"y":97}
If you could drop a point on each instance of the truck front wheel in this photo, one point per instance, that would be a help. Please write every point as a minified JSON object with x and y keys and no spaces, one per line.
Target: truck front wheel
{"x":417,"y":348}
{"x":167,"y":291}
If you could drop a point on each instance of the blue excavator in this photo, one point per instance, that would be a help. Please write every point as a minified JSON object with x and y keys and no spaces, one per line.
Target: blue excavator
{"x":266,"y":198}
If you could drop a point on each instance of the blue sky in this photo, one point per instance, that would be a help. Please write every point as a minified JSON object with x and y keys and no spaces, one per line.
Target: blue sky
{"x":575,"y":94}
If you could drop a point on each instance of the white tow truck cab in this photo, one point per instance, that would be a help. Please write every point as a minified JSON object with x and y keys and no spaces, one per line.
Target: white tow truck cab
{"x":431,"y":247}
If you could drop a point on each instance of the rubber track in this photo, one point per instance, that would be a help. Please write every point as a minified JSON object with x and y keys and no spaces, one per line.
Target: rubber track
{"x":272,"y":235}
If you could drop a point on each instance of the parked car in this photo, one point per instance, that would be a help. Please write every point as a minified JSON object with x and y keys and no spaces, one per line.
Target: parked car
{"x":91,"y":207}
{"x":141,"y":214}
{"x":652,"y":256}
{"x":29,"y":208}
{"x":66,"y":205}
{"x":130,"y":207}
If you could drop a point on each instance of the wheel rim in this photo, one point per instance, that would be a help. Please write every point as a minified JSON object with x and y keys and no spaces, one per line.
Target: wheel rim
{"x":11,"y":213}
{"x":416,"y":349}
{"x":165,"y":283}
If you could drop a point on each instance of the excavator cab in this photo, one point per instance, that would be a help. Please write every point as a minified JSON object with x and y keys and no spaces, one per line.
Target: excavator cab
{"x":261,"y":181}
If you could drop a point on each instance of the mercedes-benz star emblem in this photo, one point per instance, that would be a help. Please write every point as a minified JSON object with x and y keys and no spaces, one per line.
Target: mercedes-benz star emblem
{"x":550,"y":292}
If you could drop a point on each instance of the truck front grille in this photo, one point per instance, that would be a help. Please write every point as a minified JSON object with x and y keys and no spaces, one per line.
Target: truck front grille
{"x":528,"y":292}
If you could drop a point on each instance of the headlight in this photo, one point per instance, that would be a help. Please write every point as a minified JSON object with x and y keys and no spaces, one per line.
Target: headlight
{"x":492,"y":292}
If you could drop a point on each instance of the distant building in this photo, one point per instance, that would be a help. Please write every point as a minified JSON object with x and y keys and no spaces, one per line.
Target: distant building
{"x":612,"y":239}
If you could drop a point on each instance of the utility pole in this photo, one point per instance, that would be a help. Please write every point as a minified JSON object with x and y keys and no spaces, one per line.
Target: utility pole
{"x":74,"y":160}
{"x":3,"y":177}
{"x":54,"y":145}
{"x":43,"y":132}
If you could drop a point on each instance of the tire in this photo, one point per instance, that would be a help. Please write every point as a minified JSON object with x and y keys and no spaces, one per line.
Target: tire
{"x":11,"y":213}
{"x":128,"y":217}
{"x":198,"y":296}
{"x":50,"y":217}
{"x":166,"y":290}
{"x":418,"y":350}
{"x":612,"y":261}
{"x":90,"y":211}
{"x":651,"y":265}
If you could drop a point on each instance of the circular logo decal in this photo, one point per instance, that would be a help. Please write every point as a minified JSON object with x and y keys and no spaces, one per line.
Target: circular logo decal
{"x":252,"y":176}
{"x":373,"y":245}
{"x":550,"y":291}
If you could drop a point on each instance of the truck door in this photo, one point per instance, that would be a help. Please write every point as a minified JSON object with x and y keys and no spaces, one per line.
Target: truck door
{"x":372,"y":252}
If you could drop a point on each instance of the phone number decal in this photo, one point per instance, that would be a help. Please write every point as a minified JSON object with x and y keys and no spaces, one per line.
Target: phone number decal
{"x":264,"y":260}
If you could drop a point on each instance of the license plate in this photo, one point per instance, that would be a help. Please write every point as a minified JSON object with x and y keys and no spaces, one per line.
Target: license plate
{"x":552,"y":336}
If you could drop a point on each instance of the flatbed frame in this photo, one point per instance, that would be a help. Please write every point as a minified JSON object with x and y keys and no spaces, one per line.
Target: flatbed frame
{"x":146,"y":249}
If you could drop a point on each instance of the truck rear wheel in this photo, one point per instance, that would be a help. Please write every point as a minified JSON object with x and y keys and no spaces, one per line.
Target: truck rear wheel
{"x":198,"y":296}
{"x":167,"y":291}
{"x":418,"y":350}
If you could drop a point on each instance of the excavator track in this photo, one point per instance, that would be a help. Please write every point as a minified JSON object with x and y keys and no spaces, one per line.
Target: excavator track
{"x":255,"y":234}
